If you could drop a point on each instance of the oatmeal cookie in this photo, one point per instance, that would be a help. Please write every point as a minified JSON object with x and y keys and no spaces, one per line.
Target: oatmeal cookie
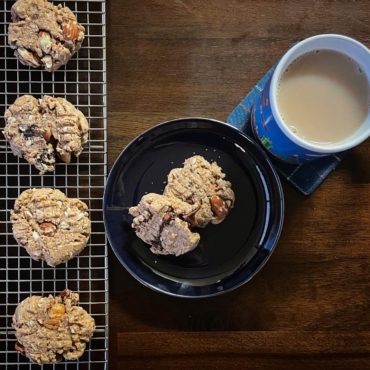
{"x":50,"y":329}
{"x":34,"y":126}
{"x":202,"y":184}
{"x":43,"y":34}
{"x":49,"y":225}
{"x":161,"y":222}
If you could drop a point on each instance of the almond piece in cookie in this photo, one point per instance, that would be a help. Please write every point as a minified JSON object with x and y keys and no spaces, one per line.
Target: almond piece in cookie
{"x":71,"y":31}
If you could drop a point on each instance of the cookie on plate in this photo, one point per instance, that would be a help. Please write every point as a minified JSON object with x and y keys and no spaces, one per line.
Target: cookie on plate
{"x":161,"y":222}
{"x":43,"y":34}
{"x":202,"y":183}
{"x":50,"y":226}
{"x":34,"y":127}
{"x":50,"y":329}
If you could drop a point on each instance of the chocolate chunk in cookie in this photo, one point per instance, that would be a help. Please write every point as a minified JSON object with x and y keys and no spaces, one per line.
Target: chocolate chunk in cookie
{"x":50,"y":226}
{"x":203,"y":184}
{"x":43,"y":34}
{"x":50,"y":329}
{"x":34,"y":126}
{"x":161,"y":222}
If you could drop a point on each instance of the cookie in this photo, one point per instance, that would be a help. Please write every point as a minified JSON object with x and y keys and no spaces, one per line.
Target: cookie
{"x":43,"y":34}
{"x":50,"y":226}
{"x":36,"y":129}
{"x":50,"y":329}
{"x":203,"y":184}
{"x":161,"y":222}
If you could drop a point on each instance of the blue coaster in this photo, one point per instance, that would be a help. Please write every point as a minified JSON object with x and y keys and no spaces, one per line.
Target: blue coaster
{"x":306,"y":177}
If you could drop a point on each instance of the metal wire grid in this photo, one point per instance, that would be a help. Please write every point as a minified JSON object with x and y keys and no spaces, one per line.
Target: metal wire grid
{"x":83,"y":83}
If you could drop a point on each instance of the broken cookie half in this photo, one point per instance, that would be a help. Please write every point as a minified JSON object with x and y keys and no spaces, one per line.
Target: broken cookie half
{"x":161,"y":221}
{"x":203,"y":183}
{"x":37,"y":128}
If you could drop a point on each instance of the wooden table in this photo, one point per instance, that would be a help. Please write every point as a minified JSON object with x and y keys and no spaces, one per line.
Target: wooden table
{"x":309,"y":307}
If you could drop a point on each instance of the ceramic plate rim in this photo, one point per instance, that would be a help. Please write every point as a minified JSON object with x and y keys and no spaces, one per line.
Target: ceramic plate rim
{"x":263,"y":262}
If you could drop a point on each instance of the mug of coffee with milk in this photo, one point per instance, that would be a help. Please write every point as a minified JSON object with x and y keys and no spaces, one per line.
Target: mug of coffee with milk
{"x":317,"y":101}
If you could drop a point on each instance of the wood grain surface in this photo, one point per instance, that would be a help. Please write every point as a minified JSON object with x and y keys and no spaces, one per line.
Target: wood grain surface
{"x":309,"y":306}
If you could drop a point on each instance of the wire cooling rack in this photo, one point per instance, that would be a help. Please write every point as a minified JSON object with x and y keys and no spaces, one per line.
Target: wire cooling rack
{"x":83,"y":83}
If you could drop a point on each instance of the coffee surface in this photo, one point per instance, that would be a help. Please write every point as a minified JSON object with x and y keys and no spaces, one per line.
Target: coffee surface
{"x":323,"y":97}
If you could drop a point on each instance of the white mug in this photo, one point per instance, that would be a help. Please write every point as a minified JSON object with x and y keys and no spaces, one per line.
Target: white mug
{"x":267,"y":123}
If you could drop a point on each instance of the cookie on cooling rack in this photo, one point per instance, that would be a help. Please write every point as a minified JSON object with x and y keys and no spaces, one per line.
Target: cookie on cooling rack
{"x":35,"y":127}
{"x":50,"y":226}
{"x":43,"y":34}
{"x":50,"y":329}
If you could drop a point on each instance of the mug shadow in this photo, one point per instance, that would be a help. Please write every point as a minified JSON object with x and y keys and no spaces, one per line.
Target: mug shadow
{"x":356,"y":165}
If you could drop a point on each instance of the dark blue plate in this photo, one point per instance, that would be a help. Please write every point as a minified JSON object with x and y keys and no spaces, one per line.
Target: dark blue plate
{"x":229,"y":254}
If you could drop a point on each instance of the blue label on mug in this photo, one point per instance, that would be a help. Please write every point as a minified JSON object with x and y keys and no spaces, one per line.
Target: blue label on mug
{"x":272,"y":138}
